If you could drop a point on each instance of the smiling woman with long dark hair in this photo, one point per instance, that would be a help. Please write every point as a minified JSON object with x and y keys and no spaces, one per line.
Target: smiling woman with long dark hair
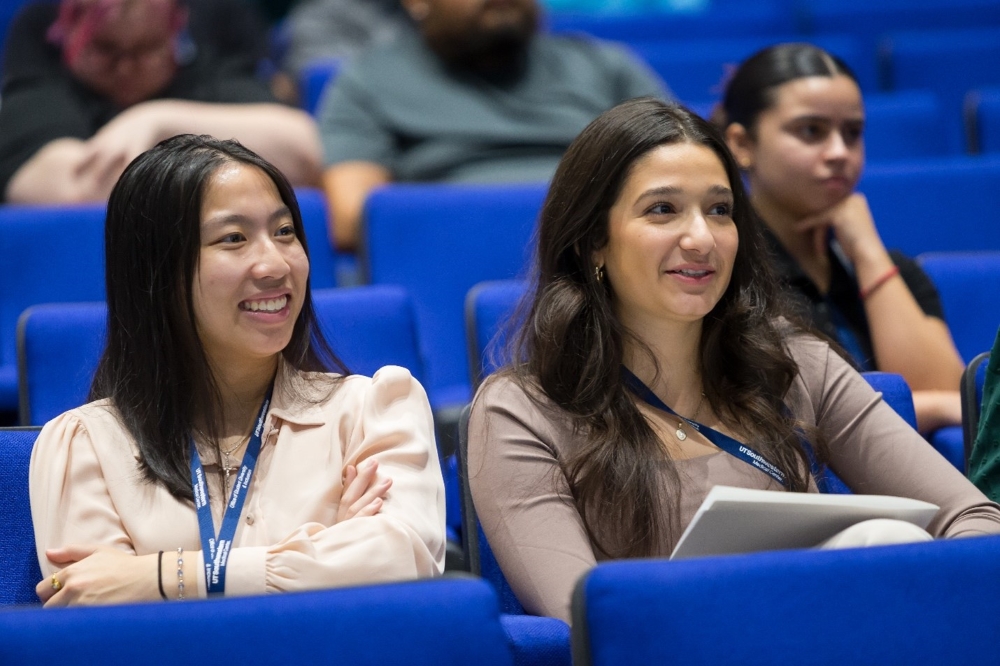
{"x":226,"y":450}
{"x":654,"y":363}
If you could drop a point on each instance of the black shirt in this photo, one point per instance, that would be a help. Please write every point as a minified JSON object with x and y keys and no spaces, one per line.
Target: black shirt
{"x":41,"y":101}
{"x":841,"y":313}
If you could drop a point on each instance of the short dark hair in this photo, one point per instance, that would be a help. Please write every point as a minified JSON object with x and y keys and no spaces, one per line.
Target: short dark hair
{"x":750,"y":91}
{"x":572,"y":345}
{"x":154,"y":368}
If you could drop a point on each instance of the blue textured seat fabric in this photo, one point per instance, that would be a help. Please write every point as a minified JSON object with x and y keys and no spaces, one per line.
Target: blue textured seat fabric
{"x":450,"y":622}
{"x":18,"y":559}
{"x":918,"y":604}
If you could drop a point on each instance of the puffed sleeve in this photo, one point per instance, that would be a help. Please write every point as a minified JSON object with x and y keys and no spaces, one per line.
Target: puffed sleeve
{"x":877,"y":453}
{"x":523,"y":500}
{"x":405,"y":540}
{"x":70,"y":502}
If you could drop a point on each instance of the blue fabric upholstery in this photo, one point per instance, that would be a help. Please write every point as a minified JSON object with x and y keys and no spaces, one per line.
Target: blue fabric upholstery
{"x":907,"y":125}
{"x":950,"y":443}
{"x":432,"y":623}
{"x":369,"y":327}
{"x":323,"y":261}
{"x":949,"y":62}
{"x":918,"y":604}
{"x":437,"y":241}
{"x":537,"y":641}
{"x":931,"y":221}
{"x":58,"y":345}
{"x":316,"y":76}
{"x":18,"y":559}
{"x":967,"y":283}
{"x":895,"y":392}
{"x":50,"y":255}
{"x":489,"y":307}
{"x":696,"y":69}
{"x":736,"y":20}
{"x":984,"y":107}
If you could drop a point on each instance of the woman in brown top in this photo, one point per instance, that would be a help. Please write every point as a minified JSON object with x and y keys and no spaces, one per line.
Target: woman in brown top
{"x":653,"y":290}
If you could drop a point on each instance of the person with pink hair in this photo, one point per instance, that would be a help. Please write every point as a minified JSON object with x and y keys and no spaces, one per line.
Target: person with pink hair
{"x":90,"y":84}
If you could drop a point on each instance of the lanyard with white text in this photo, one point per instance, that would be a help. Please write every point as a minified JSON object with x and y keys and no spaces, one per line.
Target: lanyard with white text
{"x":215,"y":550}
{"x":721,"y":440}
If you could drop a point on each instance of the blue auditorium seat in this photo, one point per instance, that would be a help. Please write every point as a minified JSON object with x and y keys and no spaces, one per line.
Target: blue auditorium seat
{"x":324,"y":263}
{"x":982,"y":120}
{"x":58,"y":347}
{"x":50,"y":254}
{"x":697,"y":69}
{"x":915,"y":605}
{"x":489,"y":309}
{"x":968,"y":285}
{"x":450,"y":622}
{"x":316,"y":76}
{"x":746,"y":19}
{"x":18,"y":557}
{"x":906,"y":125}
{"x":437,"y":241}
{"x":914,"y":203}
{"x":949,"y":62}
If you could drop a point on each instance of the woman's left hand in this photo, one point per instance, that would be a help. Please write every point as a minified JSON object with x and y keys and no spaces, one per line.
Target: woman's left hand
{"x":94,"y":575}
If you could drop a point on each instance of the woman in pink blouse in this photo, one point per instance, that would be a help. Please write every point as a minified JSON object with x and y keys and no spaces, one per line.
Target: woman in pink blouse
{"x":221,"y":454}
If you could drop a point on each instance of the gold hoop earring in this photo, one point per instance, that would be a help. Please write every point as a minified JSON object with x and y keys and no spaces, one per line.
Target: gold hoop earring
{"x":599,"y":273}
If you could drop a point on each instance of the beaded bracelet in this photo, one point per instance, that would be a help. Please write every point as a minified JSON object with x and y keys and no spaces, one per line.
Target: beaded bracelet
{"x":180,"y":574}
{"x":159,"y":575}
{"x":874,"y":286}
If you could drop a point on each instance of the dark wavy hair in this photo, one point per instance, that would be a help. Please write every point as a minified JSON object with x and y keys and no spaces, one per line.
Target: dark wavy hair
{"x":154,"y":368}
{"x":751,"y":90}
{"x":571,"y":345}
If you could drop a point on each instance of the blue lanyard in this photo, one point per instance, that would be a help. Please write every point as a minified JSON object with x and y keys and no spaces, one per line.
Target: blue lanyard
{"x":215,"y":549}
{"x":721,"y":440}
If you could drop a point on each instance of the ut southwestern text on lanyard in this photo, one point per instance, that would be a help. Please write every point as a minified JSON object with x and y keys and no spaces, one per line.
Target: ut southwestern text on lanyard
{"x":215,"y":549}
{"x":725,"y":442}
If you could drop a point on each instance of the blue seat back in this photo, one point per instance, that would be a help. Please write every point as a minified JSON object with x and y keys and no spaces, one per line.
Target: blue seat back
{"x":322,"y":258}
{"x":437,"y":241}
{"x":836,"y":606}
{"x":895,"y":392}
{"x":451,"y":622}
{"x":369,"y":327}
{"x":18,"y":557}
{"x":913,"y":203}
{"x":58,"y":347}
{"x":951,"y":63}
{"x":906,"y":125}
{"x":744,"y":19}
{"x":315,"y":78}
{"x":982,"y":114}
{"x":489,"y":309}
{"x":698,"y":69}
{"x":967,"y":283}
{"x":50,"y":255}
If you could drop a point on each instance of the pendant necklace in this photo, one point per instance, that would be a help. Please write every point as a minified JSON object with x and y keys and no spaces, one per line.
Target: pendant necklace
{"x":680,"y":433}
{"x":227,"y":467}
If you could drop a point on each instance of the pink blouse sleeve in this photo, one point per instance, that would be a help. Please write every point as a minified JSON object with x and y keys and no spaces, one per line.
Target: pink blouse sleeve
{"x":70,"y":503}
{"x":405,"y":540}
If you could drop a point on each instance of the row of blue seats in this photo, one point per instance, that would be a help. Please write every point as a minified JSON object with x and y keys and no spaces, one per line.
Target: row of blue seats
{"x":624,"y":612}
{"x":438,"y":241}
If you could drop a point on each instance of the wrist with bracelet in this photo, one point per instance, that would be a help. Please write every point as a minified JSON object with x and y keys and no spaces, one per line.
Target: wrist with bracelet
{"x":865,"y":292}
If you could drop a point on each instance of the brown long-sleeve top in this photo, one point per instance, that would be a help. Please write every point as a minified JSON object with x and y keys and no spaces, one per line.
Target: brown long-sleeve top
{"x":86,"y":488}
{"x":517,"y":447}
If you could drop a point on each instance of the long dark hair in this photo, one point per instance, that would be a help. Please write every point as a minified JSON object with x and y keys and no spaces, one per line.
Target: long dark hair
{"x":572,"y":346}
{"x":154,"y":368}
{"x":751,"y":89}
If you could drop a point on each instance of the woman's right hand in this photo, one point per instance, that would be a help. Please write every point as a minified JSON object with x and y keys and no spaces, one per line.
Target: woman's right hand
{"x":363,"y":491}
{"x":854,"y":228}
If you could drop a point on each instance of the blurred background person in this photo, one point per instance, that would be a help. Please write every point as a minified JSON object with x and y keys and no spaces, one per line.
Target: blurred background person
{"x":90,"y":84}
{"x":794,"y":119}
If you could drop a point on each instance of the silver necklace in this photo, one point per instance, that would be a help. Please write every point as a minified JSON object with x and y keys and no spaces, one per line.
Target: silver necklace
{"x":227,"y":467}
{"x":680,"y":433}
